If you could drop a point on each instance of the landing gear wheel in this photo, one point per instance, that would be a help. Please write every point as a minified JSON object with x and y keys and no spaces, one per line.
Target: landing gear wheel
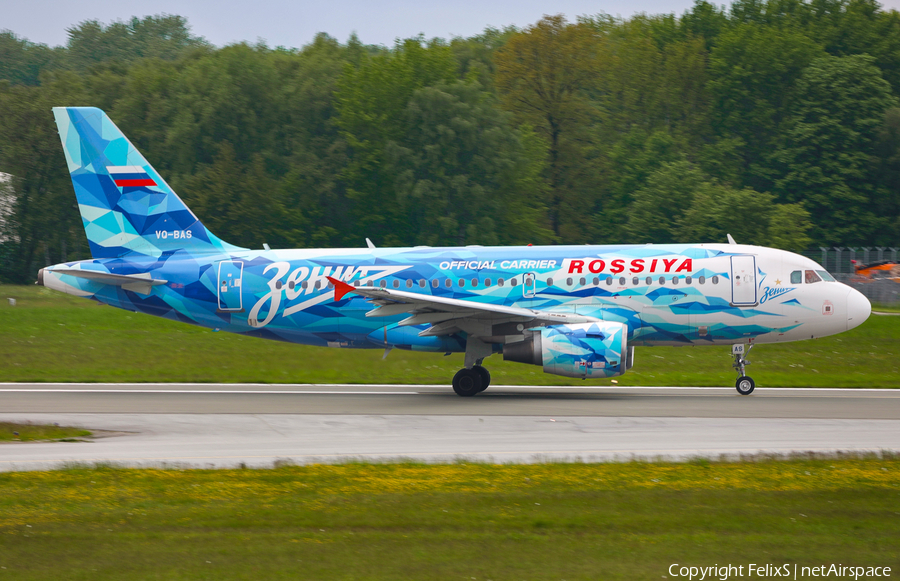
{"x":745,"y":385}
{"x":467,"y":382}
{"x":485,"y":376}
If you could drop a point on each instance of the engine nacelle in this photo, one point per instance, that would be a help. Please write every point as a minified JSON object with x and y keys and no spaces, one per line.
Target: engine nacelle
{"x":584,"y":350}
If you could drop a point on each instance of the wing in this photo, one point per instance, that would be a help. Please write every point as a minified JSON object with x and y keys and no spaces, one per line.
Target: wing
{"x":447,"y":316}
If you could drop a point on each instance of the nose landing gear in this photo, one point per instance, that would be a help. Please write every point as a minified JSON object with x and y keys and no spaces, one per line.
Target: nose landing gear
{"x":744,"y":384}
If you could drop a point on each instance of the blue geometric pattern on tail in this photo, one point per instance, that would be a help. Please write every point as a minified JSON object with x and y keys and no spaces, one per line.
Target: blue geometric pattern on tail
{"x":126,"y":207}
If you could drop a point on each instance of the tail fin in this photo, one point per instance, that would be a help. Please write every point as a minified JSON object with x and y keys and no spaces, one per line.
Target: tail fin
{"x":126,"y":207}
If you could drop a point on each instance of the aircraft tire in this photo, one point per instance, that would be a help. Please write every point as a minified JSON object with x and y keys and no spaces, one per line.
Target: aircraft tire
{"x":485,"y":376}
{"x":467,"y":382}
{"x":745,"y":385}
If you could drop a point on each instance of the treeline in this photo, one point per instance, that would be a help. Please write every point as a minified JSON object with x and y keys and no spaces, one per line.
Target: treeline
{"x":776,"y":121}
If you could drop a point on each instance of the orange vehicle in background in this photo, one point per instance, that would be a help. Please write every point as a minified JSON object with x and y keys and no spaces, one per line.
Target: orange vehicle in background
{"x":877,"y":270}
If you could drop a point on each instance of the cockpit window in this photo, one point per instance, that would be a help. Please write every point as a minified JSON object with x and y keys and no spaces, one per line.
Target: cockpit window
{"x":797,"y":277}
{"x":825,"y":276}
{"x":811,"y":277}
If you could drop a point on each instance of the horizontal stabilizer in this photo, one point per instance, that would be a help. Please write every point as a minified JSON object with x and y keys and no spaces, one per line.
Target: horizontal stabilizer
{"x":139,"y":283}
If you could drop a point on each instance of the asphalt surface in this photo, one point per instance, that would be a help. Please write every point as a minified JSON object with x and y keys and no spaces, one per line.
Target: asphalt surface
{"x":207,"y":425}
{"x":175,"y":398}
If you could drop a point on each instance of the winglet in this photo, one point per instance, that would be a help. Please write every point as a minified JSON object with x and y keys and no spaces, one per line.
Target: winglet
{"x":340,"y":288}
{"x":730,"y":239}
{"x":369,"y":244}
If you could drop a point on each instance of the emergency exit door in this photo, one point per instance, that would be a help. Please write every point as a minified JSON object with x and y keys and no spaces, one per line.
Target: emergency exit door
{"x":229,"y":284}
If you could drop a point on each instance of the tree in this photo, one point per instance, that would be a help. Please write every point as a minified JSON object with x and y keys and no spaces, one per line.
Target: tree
{"x":752,"y":72}
{"x":163,"y":36}
{"x":679,"y":203}
{"x":828,"y":157}
{"x":44,"y":226}
{"x":463,"y":174}
{"x":21,"y":61}
{"x":371,"y":99}
{"x":543,"y":77}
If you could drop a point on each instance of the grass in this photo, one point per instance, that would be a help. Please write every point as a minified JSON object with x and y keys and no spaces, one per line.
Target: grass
{"x":36,"y":432}
{"x":457,"y":521}
{"x":49,"y":336}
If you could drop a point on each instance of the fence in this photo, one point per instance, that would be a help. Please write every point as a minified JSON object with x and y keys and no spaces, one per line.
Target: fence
{"x":838,"y":261}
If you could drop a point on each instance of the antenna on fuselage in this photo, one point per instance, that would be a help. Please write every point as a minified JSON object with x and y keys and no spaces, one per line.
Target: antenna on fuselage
{"x":369,"y":244}
{"x":730,"y":239}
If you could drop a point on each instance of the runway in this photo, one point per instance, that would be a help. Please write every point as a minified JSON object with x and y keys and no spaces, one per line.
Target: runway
{"x":220,"y":425}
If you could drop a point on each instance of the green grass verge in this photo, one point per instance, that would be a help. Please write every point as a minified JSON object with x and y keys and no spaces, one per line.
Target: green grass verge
{"x":14,"y":432}
{"x":459,"y":521}
{"x":49,"y":336}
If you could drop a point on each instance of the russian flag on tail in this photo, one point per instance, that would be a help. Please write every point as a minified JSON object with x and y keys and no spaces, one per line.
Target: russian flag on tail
{"x":130,"y":176}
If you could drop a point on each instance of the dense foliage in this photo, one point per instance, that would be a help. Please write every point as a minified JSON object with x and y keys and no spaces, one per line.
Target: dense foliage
{"x":775,"y":120}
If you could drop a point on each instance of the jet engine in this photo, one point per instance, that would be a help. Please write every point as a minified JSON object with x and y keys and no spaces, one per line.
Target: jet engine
{"x":581,"y":350}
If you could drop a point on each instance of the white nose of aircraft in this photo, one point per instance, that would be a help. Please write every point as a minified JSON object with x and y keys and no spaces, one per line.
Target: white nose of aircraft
{"x":858,"y":309}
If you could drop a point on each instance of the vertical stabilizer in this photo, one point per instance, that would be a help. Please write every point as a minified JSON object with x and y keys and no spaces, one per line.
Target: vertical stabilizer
{"x":126,"y":207}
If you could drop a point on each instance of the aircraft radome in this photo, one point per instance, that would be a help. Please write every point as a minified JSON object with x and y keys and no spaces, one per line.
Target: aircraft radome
{"x":576,"y":311}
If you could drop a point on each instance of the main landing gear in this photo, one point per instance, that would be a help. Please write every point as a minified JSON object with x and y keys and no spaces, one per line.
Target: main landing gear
{"x":473,"y":378}
{"x":744,"y":384}
{"x":468,"y":382}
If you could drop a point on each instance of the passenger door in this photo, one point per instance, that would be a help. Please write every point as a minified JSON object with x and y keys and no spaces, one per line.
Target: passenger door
{"x":743,"y":281}
{"x":229,"y":285}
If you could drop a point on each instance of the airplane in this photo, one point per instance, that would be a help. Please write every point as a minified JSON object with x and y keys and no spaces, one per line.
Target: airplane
{"x":575,"y":311}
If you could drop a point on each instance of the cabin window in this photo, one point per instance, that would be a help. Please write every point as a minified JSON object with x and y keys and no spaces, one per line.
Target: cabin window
{"x":596,"y":281}
{"x":422,"y":283}
{"x":396,"y":283}
{"x":474,"y":282}
{"x":662,"y":280}
{"x":648,"y":280}
{"x":383,"y":283}
{"x":409,"y":283}
{"x":825,"y":276}
{"x":487,"y":282}
{"x":278,"y":285}
{"x":810,"y":277}
{"x":304,"y":284}
{"x":715,"y":279}
{"x":674,"y":280}
{"x":435,"y":283}
{"x":582,"y":281}
{"x":462,"y":282}
{"x":701,"y":279}
{"x":291,"y":284}
{"x":549,"y":282}
{"x":621,"y":281}
{"x":448,"y":283}
{"x":568,"y":282}
{"x":688,"y":280}
{"x":356,"y":282}
{"x":330,"y":285}
{"x":501,"y":282}
{"x":317,"y":287}
{"x":513,"y":282}
{"x":635,"y":281}
{"x":608,"y":281}
{"x":796,"y":277}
